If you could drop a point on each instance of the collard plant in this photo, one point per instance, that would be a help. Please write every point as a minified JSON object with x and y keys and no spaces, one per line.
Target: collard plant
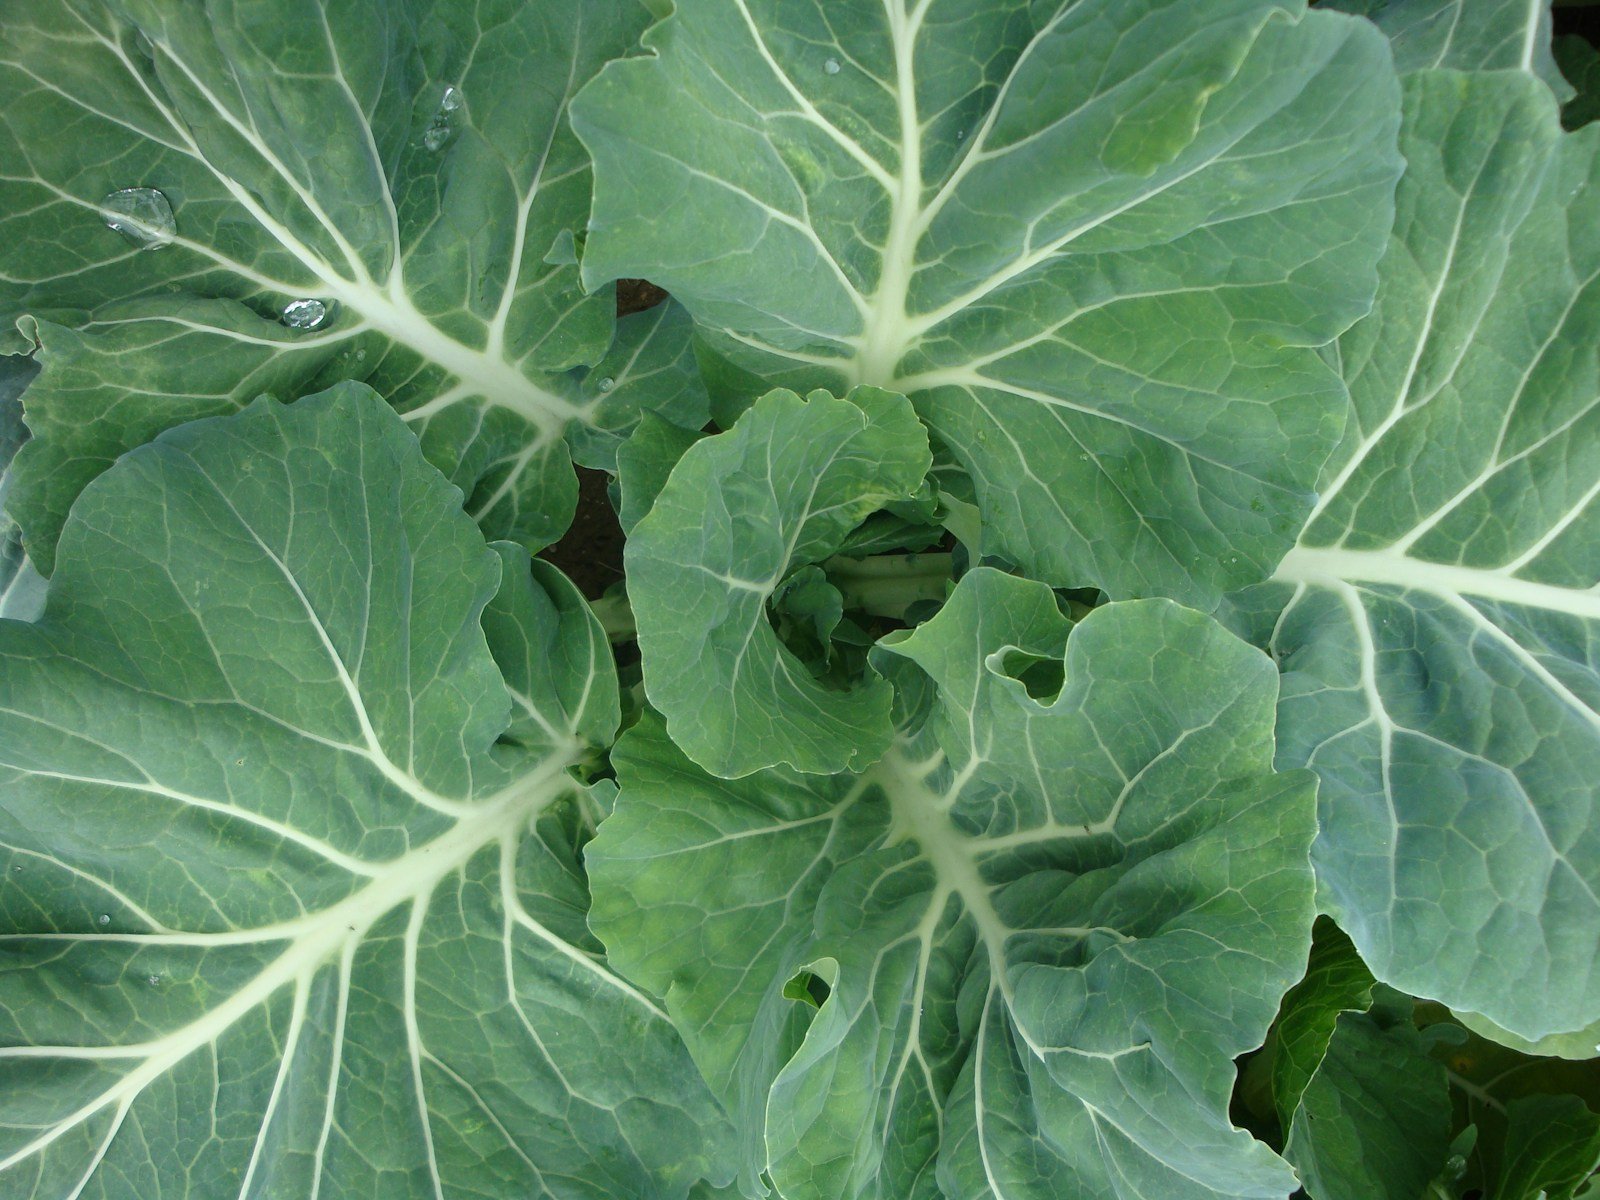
{"x":1104,"y":697}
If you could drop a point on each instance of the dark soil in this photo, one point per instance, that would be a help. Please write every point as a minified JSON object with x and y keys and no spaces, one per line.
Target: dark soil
{"x":636,"y":295}
{"x":590,"y":552}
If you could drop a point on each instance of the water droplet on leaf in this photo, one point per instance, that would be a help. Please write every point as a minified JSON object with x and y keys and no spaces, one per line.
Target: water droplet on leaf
{"x":831,"y":66}
{"x":443,"y":127}
{"x":140,"y":214}
{"x":305,"y":314}
{"x":607,"y":384}
{"x":104,"y":918}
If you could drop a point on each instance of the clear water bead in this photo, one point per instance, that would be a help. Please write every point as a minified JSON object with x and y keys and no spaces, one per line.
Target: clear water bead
{"x":104,"y":918}
{"x":607,"y":384}
{"x":831,"y":66}
{"x":443,"y":127}
{"x":140,"y":214}
{"x":305,"y":314}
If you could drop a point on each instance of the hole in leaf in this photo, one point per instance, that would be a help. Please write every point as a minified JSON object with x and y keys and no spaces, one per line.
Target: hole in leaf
{"x":808,"y":987}
{"x":1043,"y":677}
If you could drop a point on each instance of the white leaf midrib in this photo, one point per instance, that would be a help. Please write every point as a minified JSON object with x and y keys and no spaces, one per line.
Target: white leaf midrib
{"x":1333,"y":565}
{"x":310,"y":941}
{"x":387,"y":309}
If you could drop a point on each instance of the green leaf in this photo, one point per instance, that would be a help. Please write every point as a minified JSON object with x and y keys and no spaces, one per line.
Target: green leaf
{"x":1466,"y":35}
{"x":290,"y":897}
{"x":1552,"y":1147}
{"x":1578,"y":1044}
{"x":22,"y":589}
{"x":1374,"y":1120}
{"x":740,"y":512}
{"x":1005,"y":212}
{"x":1535,"y":1118}
{"x":1439,"y":622}
{"x":1580,"y":63}
{"x":1336,"y":982}
{"x":1364,"y":1111}
{"x":644,"y":462}
{"x":1045,"y":927}
{"x":406,"y":165}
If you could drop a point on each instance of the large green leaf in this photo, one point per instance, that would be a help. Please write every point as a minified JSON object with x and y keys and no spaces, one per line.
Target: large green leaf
{"x":1043,"y":928}
{"x":407,"y":165}
{"x":1468,"y":35}
{"x":290,"y":902}
{"x":1440,"y":627}
{"x":739,"y":513}
{"x":1094,"y":242}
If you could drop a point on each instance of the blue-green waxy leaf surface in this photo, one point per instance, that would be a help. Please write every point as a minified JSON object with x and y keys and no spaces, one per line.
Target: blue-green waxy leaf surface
{"x":202,"y":203}
{"x":1096,"y":244}
{"x":1039,"y":928}
{"x":1467,"y":35}
{"x":738,"y":515}
{"x":290,"y":903}
{"x":1439,"y":621}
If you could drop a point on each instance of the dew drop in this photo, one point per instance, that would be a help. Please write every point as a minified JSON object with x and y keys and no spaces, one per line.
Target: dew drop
{"x":104,"y":918}
{"x":607,"y":384}
{"x":140,"y":214}
{"x":443,"y":127}
{"x":305,"y":314}
{"x":831,"y":66}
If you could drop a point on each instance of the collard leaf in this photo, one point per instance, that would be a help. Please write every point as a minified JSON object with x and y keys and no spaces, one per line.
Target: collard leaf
{"x":21,"y":587}
{"x":644,"y":462}
{"x":290,"y":900}
{"x":1552,"y":1146}
{"x":1374,"y":1120}
{"x":1336,"y":982}
{"x":1038,"y":929}
{"x":1579,"y":1044}
{"x":286,"y":193}
{"x":1439,"y":622}
{"x":1537,"y":1120}
{"x":1580,"y":63}
{"x":739,"y":513}
{"x":1467,"y":35}
{"x":1363,"y":1110}
{"x":1005,"y":211}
